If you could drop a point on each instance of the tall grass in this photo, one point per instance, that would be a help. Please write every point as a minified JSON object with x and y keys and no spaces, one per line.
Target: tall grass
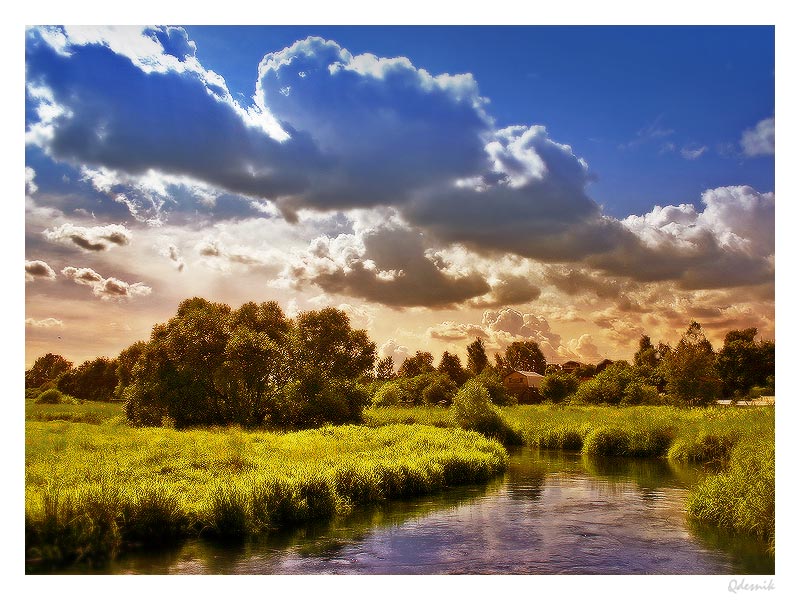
{"x":742,"y":496}
{"x":94,"y":490}
{"x":76,"y":412}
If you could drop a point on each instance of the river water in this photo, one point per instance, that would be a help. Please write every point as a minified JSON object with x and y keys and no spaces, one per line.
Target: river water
{"x":550,"y":513}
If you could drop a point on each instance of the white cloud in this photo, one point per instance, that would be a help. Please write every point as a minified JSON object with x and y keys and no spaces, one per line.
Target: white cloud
{"x":397,"y":351}
{"x":760,"y":140}
{"x":109,"y":288}
{"x":38,"y":269}
{"x":92,"y":239}
{"x":30,"y":185}
{"x":47,"y":323}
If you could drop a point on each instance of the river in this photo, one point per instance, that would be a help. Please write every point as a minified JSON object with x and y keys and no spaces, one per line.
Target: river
{"x":551,"y":513}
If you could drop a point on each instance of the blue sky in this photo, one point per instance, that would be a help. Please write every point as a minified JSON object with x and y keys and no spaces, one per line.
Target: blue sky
{"x":612,"y":93}
{"x":575,"y":186}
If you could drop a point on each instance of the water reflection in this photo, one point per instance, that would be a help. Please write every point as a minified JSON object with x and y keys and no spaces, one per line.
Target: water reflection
{"x":552,"y":512}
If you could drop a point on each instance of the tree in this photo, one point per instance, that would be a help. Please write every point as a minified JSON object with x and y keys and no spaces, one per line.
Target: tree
{"x":421,"y":362}
{"x":477,"y":359}
{"x":125,"y":363}
{"x":325,"y":342}
{"x":210,"y":365}
{"x":556,"y":387}
{"x":524,"y":356}
{"x":92,"y":380}
{"x":690,"y":371}
{"x":743,"y":363}
{"x":384,"y":371}
{"x":46,"y":370}
{"x":617,"y":384}
{"x":450,"y":365}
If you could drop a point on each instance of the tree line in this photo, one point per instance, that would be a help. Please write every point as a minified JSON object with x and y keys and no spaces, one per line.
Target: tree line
{"x":214,"y":365}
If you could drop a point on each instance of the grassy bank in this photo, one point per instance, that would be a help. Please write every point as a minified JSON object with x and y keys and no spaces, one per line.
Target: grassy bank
{"x":94,"y":490}
{"x":705,"y":435}
{"x":738,"y":444}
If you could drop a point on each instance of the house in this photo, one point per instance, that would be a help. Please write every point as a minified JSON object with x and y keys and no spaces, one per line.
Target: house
{"x":571,"y":366}
{"x":524,"y":385}
{"x":518,"y":381}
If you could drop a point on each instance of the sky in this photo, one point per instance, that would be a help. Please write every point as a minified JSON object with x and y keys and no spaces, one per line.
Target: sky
{"x":574,"y":186}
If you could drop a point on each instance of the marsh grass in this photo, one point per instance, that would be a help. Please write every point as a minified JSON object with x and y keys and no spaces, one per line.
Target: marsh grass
{"x":95,"y":490}
{"x":741,"y":497}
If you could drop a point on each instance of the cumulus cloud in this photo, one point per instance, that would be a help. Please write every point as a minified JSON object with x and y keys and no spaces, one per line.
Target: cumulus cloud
{"x":397,"y":351}
{"x":500,"y":328}
{"x":386,"y":264}
{"x":760,"y":140}
{"x":109,"y":288}
{"x":38,"y":269}
{"x":92,"y":239}
{"x":730,"y":243}
{"x":47,"y":323}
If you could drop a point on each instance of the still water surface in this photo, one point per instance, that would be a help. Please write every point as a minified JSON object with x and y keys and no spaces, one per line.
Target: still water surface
{"x":550,"y":513}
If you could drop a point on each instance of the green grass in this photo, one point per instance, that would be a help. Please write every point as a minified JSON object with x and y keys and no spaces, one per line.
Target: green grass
{"x":741,"y":497}
{"x":81,"y":412}
{"x":94,"y":490}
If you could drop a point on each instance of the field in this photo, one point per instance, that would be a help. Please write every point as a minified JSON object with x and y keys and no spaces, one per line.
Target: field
{"x":94,"y":490}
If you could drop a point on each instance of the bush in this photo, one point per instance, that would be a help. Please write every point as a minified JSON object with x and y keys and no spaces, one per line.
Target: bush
{"x":607,"y":441}
{"x":51,"y":396}
{"x":315,"y":400}
{"x":556,"y":387}
{"x":389,"y":394}
{"x":493,"y":383}
{"x":473,"y":409}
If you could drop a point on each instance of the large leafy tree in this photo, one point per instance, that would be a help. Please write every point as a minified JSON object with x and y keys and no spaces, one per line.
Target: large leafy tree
{"x":384,"y":370}
{"x":46,"y":369}
{"x":743,"y":363}
{"x":210,"y":364}
{"x":689,"y":369}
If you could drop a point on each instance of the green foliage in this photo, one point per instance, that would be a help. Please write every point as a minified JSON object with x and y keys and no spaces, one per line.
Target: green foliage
{"x":618,"y":384}
{"x":211,"y":365}
{"x":419,"y":364}
{"x":93,"y":380}
{"x":690,"y":370}
{"x":477,"y":360}
{"x":389,"y":394}
{"x":51,"y":396}
{"x":125,"y":363}
{"x":46,"y":370}
{"x":450,"y":365}
{"x":493,"y":383}
{"x":743,"y":363}
{"x":92,"y":490}
{"x":473,"y":409}
{"x":607,"y":441}
{"x":557,"y":386}
{"x":384,"y":370}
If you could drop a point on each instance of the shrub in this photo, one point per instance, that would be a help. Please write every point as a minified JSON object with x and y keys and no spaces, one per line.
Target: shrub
{"x":51,"y":396}
{"x":493,"y":383}
{"x":607,"y":441}
{"x":389,"y":394}
{"x":472,"y":409}
{"x":556,"y":387}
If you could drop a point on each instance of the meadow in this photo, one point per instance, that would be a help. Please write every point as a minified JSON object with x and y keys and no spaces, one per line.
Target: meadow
{"x":95,"y":490}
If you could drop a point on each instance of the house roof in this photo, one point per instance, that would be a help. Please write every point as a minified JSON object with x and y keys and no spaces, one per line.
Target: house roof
{"x":529,"y":373}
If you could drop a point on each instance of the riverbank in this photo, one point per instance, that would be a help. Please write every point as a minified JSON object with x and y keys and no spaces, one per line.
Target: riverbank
{"x":93,"y":491}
